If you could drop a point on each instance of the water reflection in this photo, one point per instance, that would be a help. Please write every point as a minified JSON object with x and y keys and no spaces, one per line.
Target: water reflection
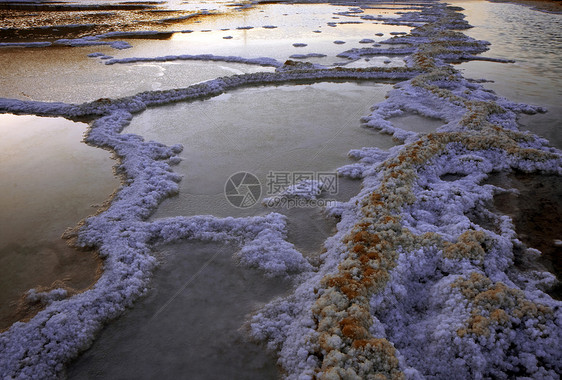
{"x":50,"y":181}
{"x":199,"y":334}
{"x":258,"y":130}
{"x":305,"y":24}
{"x":67,"y":75}
{"x":534,"y":41}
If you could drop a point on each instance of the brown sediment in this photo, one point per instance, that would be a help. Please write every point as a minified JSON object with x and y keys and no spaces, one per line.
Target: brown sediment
{"x":41,"y":24}
{"x":550,"y":6}
{"x":77,"y":270}
{"x":342,"y":310}
{"x":373,"y":246}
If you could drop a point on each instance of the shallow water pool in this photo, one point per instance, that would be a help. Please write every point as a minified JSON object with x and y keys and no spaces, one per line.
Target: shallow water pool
{"x":195,"y":333}
{"x":290,"y":128}
{"x":50,"y":181}
{"x":534,"y":41}
{"x":68,"y":75}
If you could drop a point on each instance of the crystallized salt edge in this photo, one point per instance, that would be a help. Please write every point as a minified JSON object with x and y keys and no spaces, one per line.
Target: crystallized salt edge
{"x":41,"y":347}
{"x":446,"y":301}
{"x":54,"y":336}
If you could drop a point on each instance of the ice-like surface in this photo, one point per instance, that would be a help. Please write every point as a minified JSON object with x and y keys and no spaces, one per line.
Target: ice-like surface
{"x":282,"y":129}
{"x":24,"y":44}
{"x":73,"y":79}
{"x":307,"y":189}
{"x":200,"y":335}
{"x":408,"y":286}
{"x":416,"y":123}
{"x":309,"y":55}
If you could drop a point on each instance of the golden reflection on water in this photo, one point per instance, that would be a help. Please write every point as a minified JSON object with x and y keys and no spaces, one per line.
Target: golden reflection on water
{"x":50,"y":180}
{"x":533,"y":40}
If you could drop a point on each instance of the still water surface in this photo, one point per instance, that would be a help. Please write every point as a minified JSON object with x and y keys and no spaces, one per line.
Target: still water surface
{"x":534,"y":40}
{"x":307,"y":127}
{"x":50,"y":180}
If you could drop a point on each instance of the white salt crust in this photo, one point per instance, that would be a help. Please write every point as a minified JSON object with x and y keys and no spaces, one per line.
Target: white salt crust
{"x":426,"y":309}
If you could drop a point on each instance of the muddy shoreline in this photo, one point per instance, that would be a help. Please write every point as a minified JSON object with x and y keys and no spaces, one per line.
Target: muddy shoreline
{"x":48,"y":22}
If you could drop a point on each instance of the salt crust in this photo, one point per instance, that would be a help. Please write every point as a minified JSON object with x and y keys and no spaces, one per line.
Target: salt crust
{"x":201,"y":57}
{"x":41,"y":347}
{"x":408,"y":286}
